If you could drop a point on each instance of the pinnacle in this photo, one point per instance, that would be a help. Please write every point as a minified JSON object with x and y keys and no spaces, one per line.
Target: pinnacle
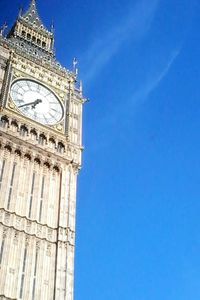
{"x":32,"y":3}
{"x":32,"y":6}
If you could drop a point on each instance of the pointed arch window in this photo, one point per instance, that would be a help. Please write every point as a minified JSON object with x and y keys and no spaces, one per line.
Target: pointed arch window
{"x":18,"y":153}
{"x":4,"y":122}
{"x":33,"y":134}
{"x":14,"y":126}
{"x":27,"y":156}
{"x":23,"y":130}
{"x":8,"y":148}
{"x":37,"y":161}
{"x":61,"y":148}
{"x":47,"y":165}
{"x":56,"y":169}
{"x":42,"y":139}
{"x":52,"y":143}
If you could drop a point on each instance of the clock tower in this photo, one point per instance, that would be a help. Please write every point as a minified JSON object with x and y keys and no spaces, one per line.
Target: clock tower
{"x":40,"y":157}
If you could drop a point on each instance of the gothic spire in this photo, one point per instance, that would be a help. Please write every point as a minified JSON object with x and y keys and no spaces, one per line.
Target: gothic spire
{"x":32,"y":16}
{"x":29,"y":33}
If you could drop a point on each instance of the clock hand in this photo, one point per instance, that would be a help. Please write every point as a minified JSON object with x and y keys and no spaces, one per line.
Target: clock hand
{"x":34,"y":103}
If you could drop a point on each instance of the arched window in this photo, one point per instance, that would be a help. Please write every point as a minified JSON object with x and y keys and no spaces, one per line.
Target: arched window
{"x":43,"y":44}
{"x":42,"y":139}
{"x":18,"y":153}
{"x":23,"y":33}
{"x":47,"y":165}
{"x":4,"y":122}
{"x":52,"y":143}
{"x":37,"y":161}
{"x":61,"y":148}
{"x":33,"y":134}
{"x":56,"y":169}
{"x":27,"y":156}
{"x":14,"y":126}
{"x":28,"y":36}
{"x":8,"y":148}
{"x":23,"y":130}
{"x":34,"y":39}
{"x":39,"y":42}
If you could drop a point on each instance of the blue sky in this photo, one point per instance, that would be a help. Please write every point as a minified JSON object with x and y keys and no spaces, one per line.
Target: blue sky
{"x":138,"y":206}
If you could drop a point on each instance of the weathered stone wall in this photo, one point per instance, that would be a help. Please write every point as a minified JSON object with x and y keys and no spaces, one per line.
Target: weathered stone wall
{"x":37,"y":222}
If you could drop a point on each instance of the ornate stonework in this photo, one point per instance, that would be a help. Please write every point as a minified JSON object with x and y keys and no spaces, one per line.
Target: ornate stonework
{"x":39,"y":164}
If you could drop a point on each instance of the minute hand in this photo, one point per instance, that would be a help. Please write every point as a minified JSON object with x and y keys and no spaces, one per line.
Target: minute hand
{"x":34,"y":103}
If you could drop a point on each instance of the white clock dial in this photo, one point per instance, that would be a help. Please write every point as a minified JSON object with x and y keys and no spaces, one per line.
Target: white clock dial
{"x":36,"y":101}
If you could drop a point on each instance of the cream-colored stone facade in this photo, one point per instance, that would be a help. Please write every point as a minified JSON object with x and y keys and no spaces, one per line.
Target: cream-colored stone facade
{"x":38,"y":177}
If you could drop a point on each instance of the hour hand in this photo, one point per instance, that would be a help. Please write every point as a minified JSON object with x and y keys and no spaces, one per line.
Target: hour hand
{"x":33,"y":103}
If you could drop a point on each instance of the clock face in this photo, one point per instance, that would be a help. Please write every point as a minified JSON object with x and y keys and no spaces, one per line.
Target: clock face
{"x":36,"y":101}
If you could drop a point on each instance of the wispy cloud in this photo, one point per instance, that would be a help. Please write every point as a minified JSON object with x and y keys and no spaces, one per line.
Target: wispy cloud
{"x":129,"y":108}
{"x":133,"y":26}
{"x":152,"y":83}
{"x":142,"y":93}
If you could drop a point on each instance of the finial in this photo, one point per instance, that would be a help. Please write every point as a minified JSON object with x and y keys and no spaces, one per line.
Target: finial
{"x":52,"y":27}
{"x":75,"y":69}
{"x":33,"y":2}
{"x":3,"y":28}
{"x":20,"y":11}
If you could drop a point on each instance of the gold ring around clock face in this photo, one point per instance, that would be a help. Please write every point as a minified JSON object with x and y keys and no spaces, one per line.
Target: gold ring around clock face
{"x":36,"y":101}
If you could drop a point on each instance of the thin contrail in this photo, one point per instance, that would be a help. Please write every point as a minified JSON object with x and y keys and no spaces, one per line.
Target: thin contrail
{"x":133,"y":27}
